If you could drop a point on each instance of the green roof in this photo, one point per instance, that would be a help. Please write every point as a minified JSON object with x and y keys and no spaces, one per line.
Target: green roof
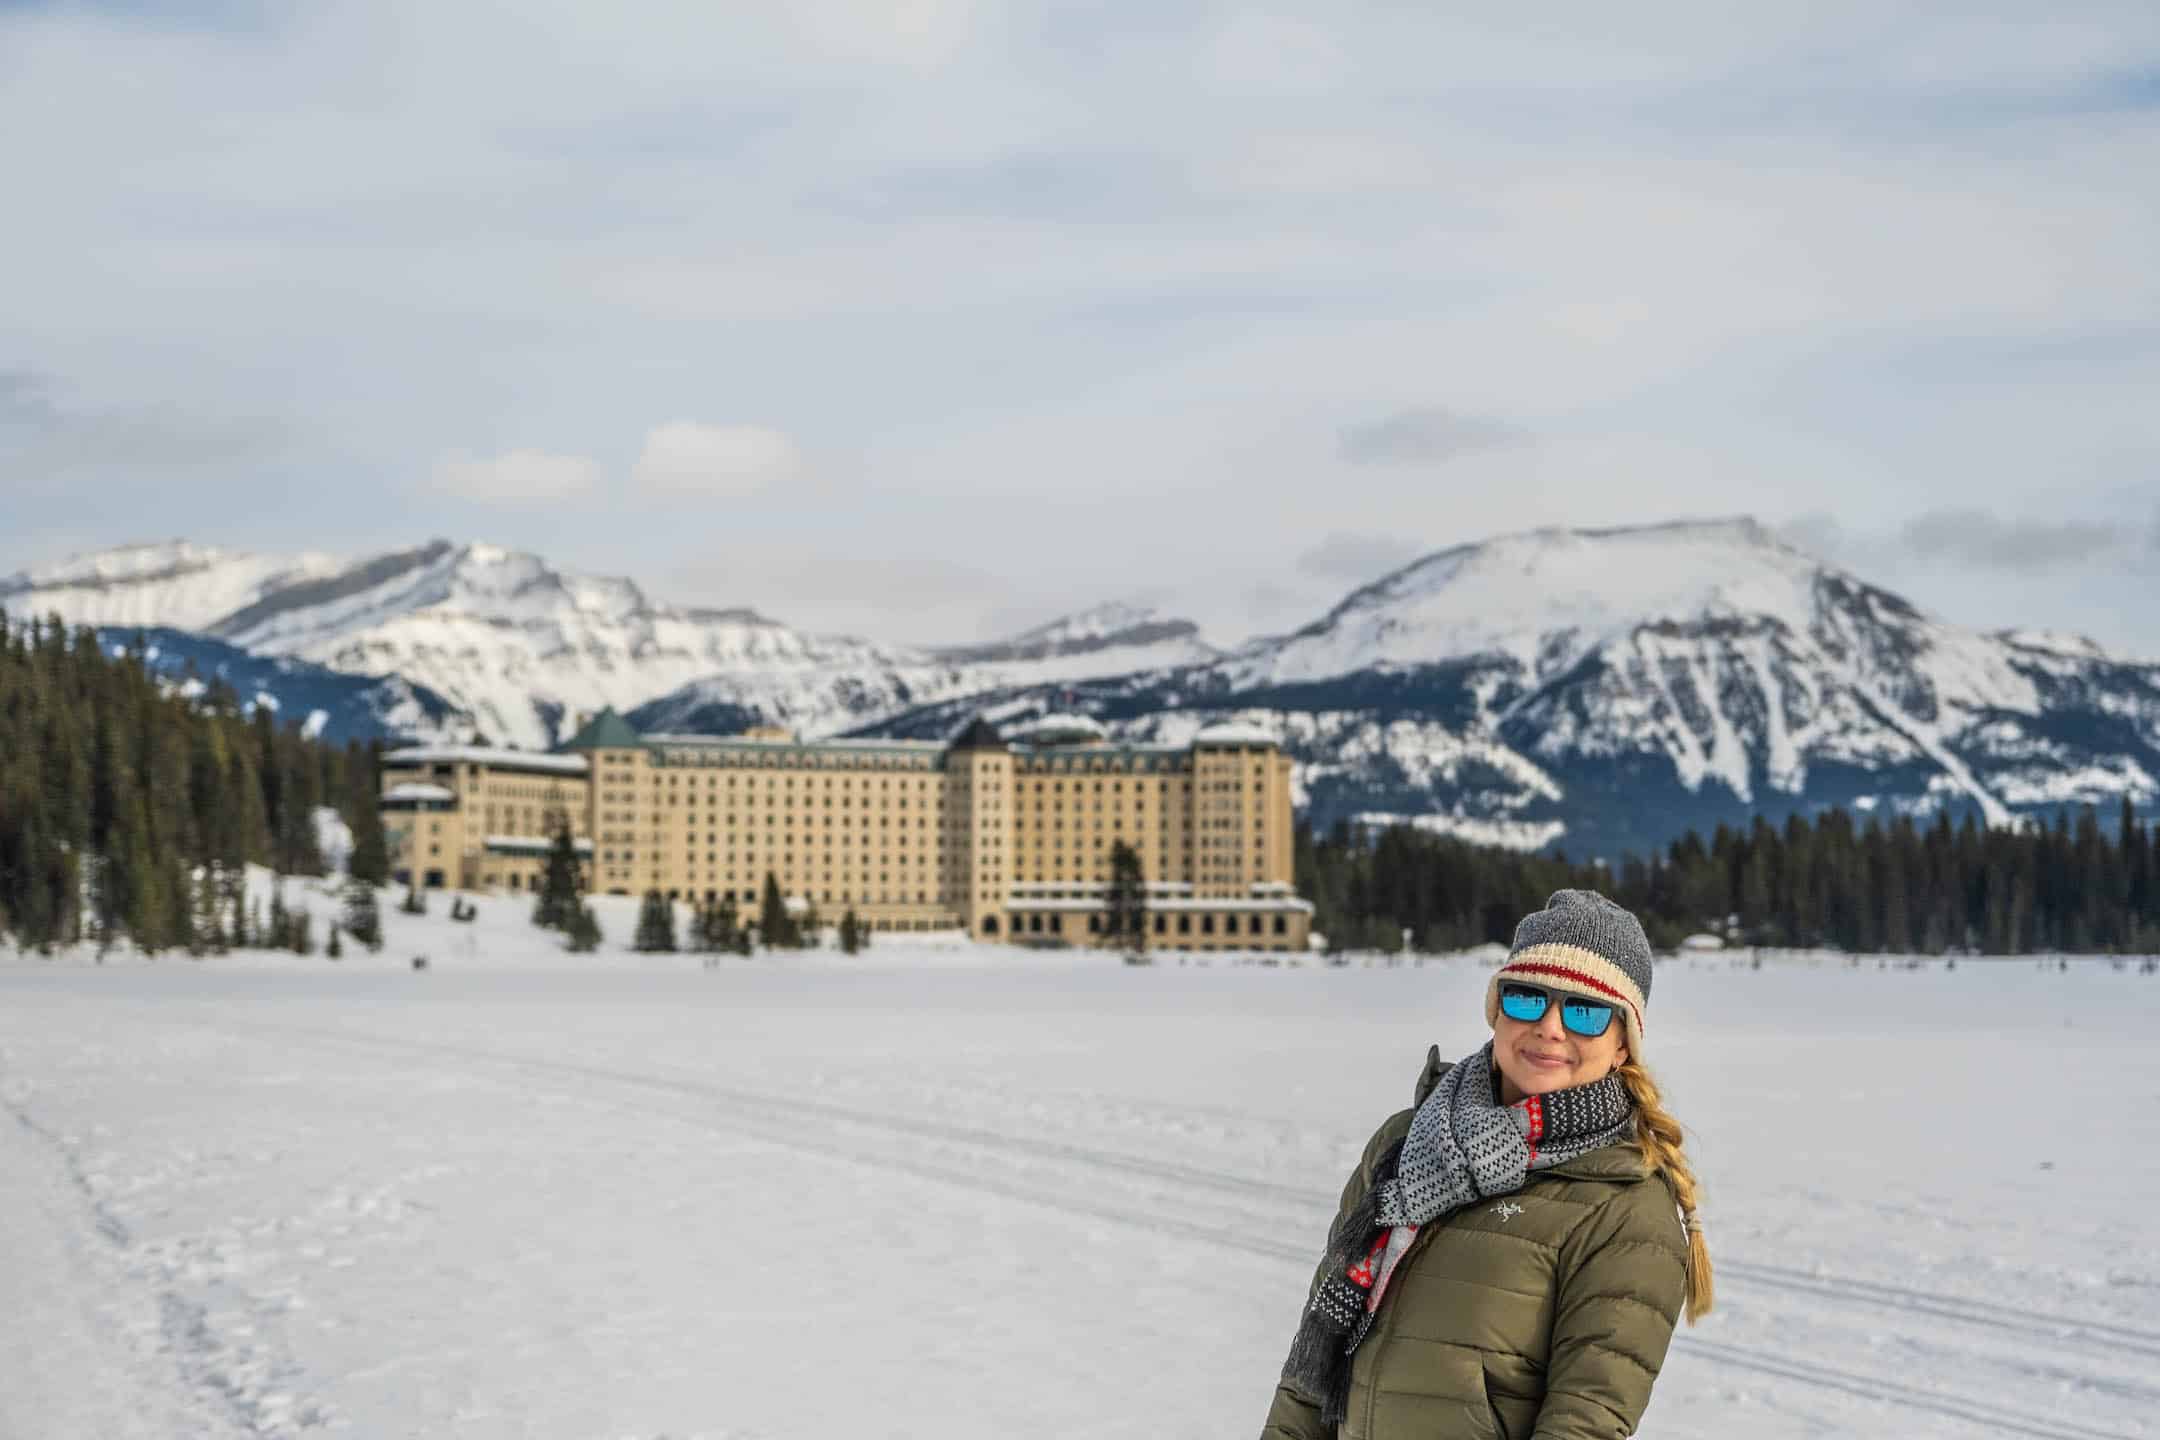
{"x":605,"y":731}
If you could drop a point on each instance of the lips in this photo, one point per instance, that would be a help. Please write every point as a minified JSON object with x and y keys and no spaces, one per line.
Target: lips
{"x":1550,"y":1062}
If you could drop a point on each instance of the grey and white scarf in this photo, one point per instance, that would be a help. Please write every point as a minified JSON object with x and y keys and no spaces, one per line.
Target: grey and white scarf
{"x":1463,"y":1146}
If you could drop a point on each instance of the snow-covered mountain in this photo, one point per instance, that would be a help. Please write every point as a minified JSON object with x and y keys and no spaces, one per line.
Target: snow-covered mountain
{"x":176,"y":584}
{"x":518,"y":648}
{"x":842,"y":691}
{"x":1600,"y":690}
{"x":1595,"y":690}
{"x":1120,"y":626}
{"x":323,"y":702}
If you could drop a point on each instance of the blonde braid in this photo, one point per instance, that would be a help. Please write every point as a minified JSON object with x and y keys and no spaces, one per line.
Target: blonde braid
{"x":1659,"y":1136}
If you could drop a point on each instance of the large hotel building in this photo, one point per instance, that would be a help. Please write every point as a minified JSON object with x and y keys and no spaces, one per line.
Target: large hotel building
{"x":1005,"y":839}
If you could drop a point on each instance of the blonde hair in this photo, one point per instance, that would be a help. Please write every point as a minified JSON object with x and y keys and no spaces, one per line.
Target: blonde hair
{"x":1659,"y":1136}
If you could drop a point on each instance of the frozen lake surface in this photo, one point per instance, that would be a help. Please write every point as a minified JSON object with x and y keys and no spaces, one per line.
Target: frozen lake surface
{"x":955,"y":1192}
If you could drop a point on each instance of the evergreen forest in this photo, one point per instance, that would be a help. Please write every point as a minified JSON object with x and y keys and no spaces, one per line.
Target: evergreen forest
{"x":129,"y":805}
{"x":2072,"y":885}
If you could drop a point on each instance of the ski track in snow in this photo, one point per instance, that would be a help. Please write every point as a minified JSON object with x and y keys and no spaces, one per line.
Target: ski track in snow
{"x":805,"y":1125}
{"x":179,"y":1383}
{"x":194,"y":1325}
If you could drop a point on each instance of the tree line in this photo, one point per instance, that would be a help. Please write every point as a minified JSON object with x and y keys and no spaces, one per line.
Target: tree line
{"x":716,"y":928}
{"x":128,"y":806}
{"x":1902,"y":886}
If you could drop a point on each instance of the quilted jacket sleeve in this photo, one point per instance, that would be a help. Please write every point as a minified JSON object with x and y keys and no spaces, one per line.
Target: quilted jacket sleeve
{"x":1294,"y":1416}
{"x":1622,"y":1279}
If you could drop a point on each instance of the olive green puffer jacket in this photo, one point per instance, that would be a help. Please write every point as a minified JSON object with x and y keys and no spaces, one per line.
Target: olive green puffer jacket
{"x":1542,"y":1315}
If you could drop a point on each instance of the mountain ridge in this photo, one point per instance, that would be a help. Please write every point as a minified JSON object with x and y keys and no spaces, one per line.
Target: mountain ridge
{"x":1558,"y":687}
{"x":518,"y":648}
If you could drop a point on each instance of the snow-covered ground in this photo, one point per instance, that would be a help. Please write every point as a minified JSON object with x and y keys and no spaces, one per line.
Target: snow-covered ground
{"x":979,"y":1192}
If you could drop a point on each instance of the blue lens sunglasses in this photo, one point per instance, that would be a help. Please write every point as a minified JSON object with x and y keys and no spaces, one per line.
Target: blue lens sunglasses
{"x":1527,"y":1003}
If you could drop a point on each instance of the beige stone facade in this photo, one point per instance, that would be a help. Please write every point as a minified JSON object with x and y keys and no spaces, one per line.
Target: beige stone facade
{"x":1004,"y":839}
{"x":470,"y":818}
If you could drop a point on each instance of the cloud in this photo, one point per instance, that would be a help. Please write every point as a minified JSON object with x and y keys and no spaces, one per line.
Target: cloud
{"x":48,"y":440}
{"x":1971,"y":539}
{"x":686,"y":457}
{"x":517,"y":475}
{"x":22,"y":398}
{"x":1425,"y":436}
{"x":1088,"y":267}
{"x":1977,"y":538}
{"x":1358,"y":559}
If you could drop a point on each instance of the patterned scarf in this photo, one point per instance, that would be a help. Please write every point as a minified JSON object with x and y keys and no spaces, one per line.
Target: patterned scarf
{"x":1463,"y":1146}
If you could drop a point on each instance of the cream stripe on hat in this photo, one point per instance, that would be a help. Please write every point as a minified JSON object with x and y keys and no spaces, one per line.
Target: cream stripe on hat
{"x":1557,"y":966}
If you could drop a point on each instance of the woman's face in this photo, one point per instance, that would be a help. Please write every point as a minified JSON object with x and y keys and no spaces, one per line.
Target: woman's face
{"x":1537,"y":1057}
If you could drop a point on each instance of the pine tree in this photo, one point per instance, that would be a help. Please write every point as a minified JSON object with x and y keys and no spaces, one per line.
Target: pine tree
{"x":363,"y":918}
{"x":561,"y":885}
{"x":413,"y":903}
{"x":334,"y":951}
{"x":1125,"y":903}
{"x":370,"y":859}
{"x":850,"y":933}
{"x":728,"y":921}
{"x":776,"y":928}
{"x":583,"y":934}
{"x":656,"y":925}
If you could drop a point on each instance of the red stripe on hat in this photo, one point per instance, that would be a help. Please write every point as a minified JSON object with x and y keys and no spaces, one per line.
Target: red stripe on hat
{"x":1541,"y":967}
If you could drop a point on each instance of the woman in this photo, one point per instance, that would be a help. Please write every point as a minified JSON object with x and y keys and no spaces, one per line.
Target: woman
{"x":1511,"y":1255}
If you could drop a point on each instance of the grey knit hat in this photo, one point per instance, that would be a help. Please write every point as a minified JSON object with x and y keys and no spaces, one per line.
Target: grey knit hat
{"x":1583,"y":943}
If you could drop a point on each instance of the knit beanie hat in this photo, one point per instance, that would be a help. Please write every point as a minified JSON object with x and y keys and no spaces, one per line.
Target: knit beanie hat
{"x":1583,"y":943}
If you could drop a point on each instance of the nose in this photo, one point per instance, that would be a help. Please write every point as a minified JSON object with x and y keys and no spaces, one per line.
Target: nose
{"x":1549,"y":1026}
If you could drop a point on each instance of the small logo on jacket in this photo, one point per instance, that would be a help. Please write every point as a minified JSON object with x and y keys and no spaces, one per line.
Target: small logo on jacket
{"x":1507,"y":1210}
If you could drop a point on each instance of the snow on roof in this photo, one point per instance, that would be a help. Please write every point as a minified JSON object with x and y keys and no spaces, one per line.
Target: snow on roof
{"x":867,"y":742}
{"x":411,"y":792}
{"x":1059,"y":729}
{"x":493,"y":757}
{"x":533,"y":844}
{"x":1232,"y":732}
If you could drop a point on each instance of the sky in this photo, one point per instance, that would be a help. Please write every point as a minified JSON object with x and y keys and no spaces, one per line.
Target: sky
{"x":929,"y":320}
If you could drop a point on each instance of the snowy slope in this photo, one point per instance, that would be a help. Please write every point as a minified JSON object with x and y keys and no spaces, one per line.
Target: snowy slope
{"x":534,"y":1195}
{"x":1602,"y":689}
{"x":324,"y":702}
{"x":1156,"y":639}
{"x":517,"y":648}
{"x":1594,"y":690}
{"x":173,"y":584}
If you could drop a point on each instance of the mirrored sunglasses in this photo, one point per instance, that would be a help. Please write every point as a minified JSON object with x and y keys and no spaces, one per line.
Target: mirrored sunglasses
{"x":1527,"y":1003}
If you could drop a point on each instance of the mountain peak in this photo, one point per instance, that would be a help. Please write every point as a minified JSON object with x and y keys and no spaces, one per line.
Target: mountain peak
{"x":1546,"y":596}
{"x":133,"y":561}
{"x":1113,"y":625}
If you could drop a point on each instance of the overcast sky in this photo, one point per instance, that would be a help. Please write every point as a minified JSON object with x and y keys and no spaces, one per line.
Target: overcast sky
{"x":927,"y":319}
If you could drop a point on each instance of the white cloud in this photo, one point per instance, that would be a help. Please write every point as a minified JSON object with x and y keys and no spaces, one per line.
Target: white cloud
{"x":1427,"y":435}
{"x":686,"y":457}
{"x":517,"y":475}
{"x":1876,"y":262}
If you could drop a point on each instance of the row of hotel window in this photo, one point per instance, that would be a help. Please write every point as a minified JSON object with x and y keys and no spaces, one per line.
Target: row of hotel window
{"x":614,"y":786}
{"x":1035,"y":924}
